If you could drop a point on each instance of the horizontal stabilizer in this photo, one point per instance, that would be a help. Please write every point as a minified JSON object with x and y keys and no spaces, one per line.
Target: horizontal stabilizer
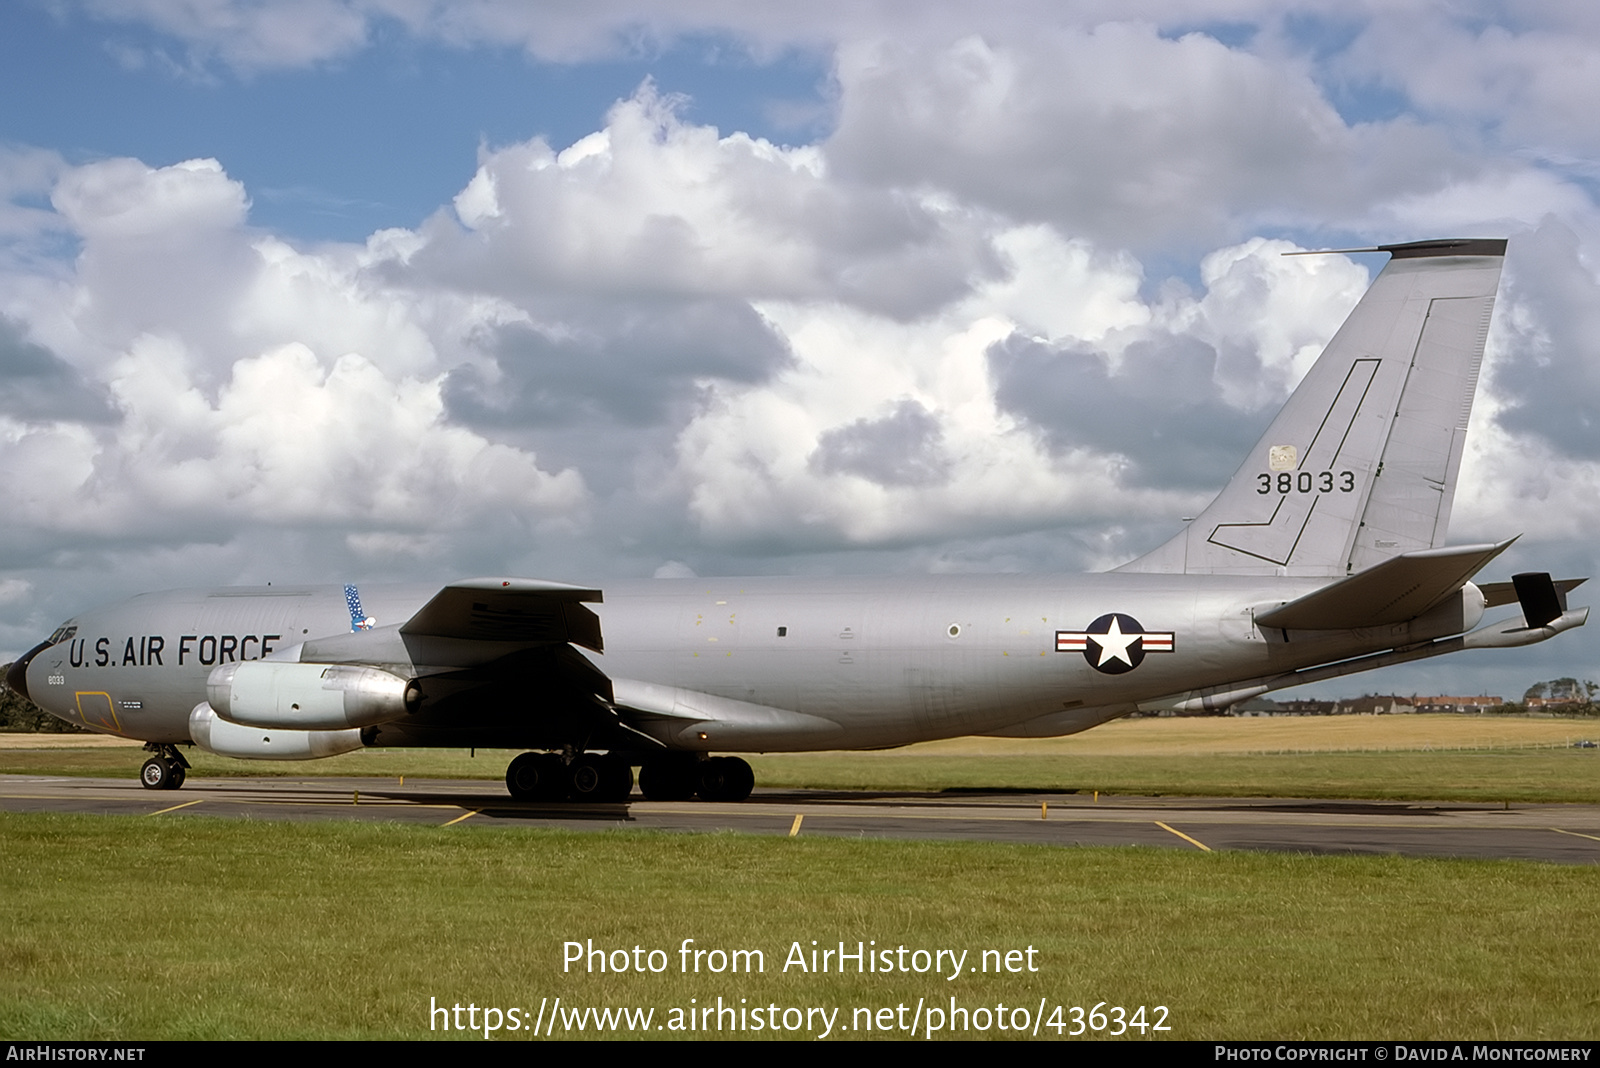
{"x":1511,"y":633}
{"x":1398,"y":589}
{"x":1496,"y":594}
{"x":1540,"y":600}
{"x":1506,"y":634}
{"x":510,"y":610}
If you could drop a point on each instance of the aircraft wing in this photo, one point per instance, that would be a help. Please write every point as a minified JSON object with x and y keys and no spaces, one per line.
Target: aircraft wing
{"x":1398,"y":589}
{"x":497,"y":664}
{"x":476,"y":625}
{"x":510,"y":610}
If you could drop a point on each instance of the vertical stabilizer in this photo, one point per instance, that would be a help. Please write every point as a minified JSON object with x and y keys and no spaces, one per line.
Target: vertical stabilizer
{"x":1361,"y":463}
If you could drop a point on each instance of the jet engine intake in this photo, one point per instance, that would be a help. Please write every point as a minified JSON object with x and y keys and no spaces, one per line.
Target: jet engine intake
{"x":309,"y":697}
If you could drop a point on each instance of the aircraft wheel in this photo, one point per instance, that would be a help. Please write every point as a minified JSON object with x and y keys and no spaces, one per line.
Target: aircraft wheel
{"x":599,"y":778}
{"x":726,"y":779}
{"x":668,"y":779}
{"x":156,"y":774}
{"x":621,"y":778}
{"x":536,"y":777}
{"x":176,"y":775}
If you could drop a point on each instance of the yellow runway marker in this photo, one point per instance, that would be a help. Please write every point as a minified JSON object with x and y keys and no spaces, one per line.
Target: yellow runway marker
{"x":1044,"y":810}
{"x":794,"y":828}
{"x":1576,"y":834}
{"x":1192,"y":841}
{"x":465,"y":815}
{"x":175,"y":808}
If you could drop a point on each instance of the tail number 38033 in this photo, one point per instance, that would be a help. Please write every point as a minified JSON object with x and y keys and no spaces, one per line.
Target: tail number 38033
{"x":1306,"y":482}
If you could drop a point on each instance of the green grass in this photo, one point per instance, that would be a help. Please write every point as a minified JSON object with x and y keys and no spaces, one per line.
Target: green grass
{"x":125,"y":761}
{"x":118,"y":928}
{"x":1571,"y":775}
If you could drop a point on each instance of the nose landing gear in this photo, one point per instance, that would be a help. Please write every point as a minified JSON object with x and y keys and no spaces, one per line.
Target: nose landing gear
{"x":166,"y":770}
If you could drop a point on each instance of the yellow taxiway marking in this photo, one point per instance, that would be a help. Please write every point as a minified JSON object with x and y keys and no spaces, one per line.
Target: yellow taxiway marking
{"x":175,"y":808}
{"x":1576,"y":834}
{"x":1192,"y":841}
{"x":794,"y":828}
{"x":465,"y":815}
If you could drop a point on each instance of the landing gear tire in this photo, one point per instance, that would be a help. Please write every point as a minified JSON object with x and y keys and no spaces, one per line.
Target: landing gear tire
{"x":599,"y":778}
{"x":536,"y":777}
{"x":158,"y":774}
{"x":725,"y":779}
{"x":668,"y":779}
{"x":165,"y":770}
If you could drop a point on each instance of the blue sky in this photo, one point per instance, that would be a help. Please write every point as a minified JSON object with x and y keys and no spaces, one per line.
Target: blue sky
{"x":403,"y":289}
{"x":373,"y":139}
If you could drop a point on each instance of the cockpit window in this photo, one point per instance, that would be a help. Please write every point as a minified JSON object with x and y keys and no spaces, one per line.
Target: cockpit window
{"x":64,"y":633}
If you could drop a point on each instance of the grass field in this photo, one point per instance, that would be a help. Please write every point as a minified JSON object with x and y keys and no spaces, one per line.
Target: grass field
{"x":196,"y":928}
{"x":186,"y":927}
{"x":1465,"y":758}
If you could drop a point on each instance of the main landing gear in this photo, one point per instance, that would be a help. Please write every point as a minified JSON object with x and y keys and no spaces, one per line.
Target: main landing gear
{"x":725,"y":779}
{"x":166,"y":770}
{"x":680,"y":777}
{"x":609,"y":778}
{"x":589,"y":777}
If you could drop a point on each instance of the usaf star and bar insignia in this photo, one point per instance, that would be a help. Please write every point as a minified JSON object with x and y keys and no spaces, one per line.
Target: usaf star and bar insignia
{"x":1114,"y":643}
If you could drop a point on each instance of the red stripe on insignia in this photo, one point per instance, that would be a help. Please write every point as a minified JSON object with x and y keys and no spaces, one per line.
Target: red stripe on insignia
{"x":1158,"y":643}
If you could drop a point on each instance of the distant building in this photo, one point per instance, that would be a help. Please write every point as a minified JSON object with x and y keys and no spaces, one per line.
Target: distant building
{"x":1309,"y":708}
{"x":1376,"y":705}
{"x":1387,"y":705}
{"x":1457,"y":704}
{"x":1257,"y":706}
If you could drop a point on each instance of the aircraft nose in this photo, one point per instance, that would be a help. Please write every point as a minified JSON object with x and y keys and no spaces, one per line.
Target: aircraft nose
{"x":17,"y":676}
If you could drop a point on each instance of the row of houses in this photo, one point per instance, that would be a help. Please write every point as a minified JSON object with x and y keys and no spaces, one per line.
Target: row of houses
{"x":1367,"y":705}
{"x":1395,"y":705}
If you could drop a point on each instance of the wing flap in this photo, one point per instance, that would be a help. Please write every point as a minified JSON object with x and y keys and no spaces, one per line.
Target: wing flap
{"x":690,"y":719}
{"x":1395,"y":590}
{"x":527,"y":611}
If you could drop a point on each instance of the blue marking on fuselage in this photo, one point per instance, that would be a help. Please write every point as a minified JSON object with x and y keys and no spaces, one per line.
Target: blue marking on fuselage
{"x":352,"y":600}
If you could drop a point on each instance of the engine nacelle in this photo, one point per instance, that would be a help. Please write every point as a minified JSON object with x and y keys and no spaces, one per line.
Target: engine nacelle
{"x":306,"y":697}
{"x":216,"y":735}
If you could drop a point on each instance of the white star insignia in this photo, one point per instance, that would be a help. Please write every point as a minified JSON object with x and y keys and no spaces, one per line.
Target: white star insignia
{"x":1114,"y":644}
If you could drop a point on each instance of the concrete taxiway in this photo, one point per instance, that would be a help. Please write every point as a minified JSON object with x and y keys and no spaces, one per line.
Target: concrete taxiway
{"x":1560,"y":833}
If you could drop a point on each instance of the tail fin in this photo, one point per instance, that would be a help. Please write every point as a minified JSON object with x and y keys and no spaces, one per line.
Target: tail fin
{"x":1361,"y":463}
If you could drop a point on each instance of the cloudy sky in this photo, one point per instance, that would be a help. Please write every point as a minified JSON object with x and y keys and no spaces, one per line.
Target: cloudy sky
{"x":328,"y":290}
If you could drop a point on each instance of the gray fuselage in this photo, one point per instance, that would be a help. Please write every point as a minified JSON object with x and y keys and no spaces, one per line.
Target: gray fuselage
{"x":888,"y":660}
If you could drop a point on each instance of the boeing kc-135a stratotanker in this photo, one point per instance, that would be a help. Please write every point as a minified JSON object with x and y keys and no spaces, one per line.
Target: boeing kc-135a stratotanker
{"x":1324,"y":555}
